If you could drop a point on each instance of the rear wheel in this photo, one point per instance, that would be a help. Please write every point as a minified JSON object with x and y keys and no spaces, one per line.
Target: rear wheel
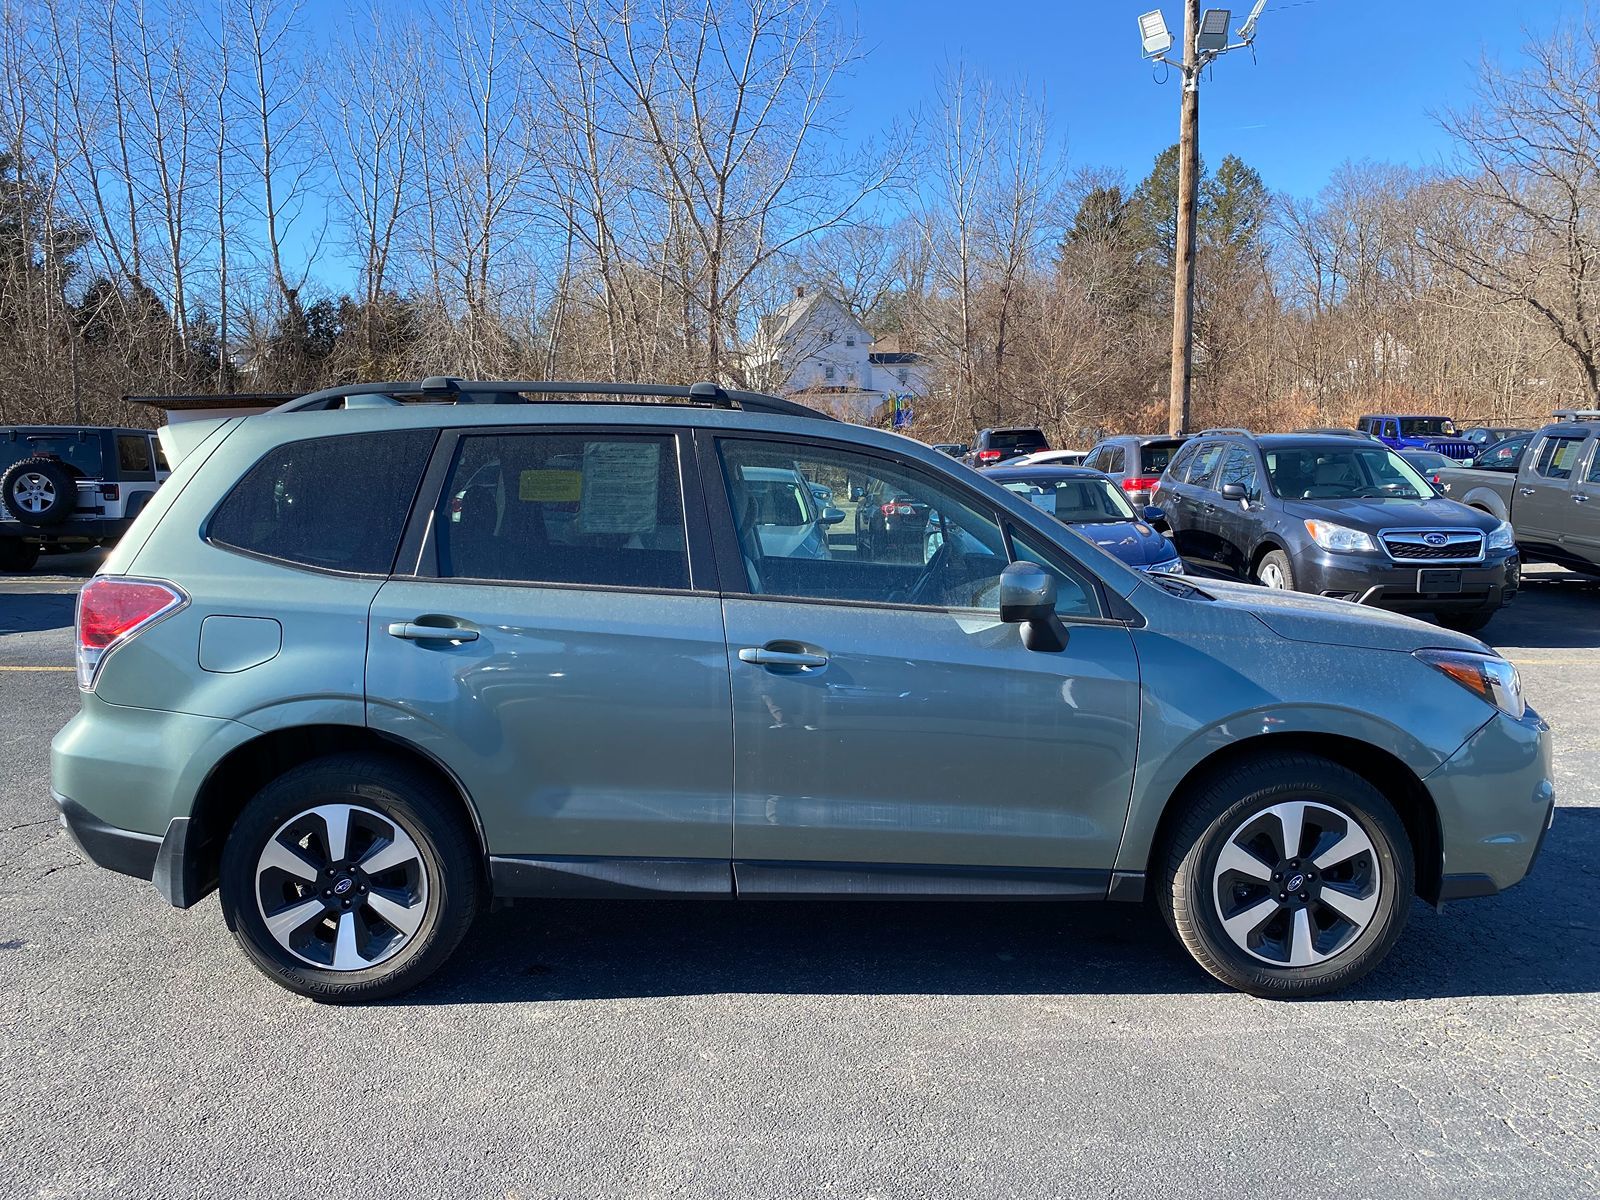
{"x":350,"y":879}
{"x":1466,"y":622}
{"x":18,"y":555}
{"x":1274,"y":571}
{"x":1287,"y":876}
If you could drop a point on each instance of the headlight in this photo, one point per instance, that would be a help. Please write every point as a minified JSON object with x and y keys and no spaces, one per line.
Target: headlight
{"x":1337,"y":537}
{"x":1173,"y":566}
{"x":1502,"y":537}
{"x":1486,"y":676}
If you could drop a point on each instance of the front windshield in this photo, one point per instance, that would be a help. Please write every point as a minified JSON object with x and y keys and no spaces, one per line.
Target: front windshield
{"x":1343,"y":473}
{"x":1075,"y":500}
{"x":1427,"y":427}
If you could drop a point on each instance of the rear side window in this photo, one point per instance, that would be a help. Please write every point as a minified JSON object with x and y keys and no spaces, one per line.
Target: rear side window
{"x":133,"y":456}
{"x":1177,"y":466}
{"x":601,"y":509}
{"x":336,"y":503}
{"x":1115,"y":460}
{"x":1204,"y":462}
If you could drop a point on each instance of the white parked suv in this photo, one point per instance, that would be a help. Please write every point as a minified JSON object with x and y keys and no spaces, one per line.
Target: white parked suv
{"x":71,"y":485}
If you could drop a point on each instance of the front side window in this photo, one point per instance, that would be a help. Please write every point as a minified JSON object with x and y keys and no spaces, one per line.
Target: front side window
{"x":1557,"y":456}
{"x":895,"y":535}
{"x":1240,"y":467}
{"x":1594,"y":463}
{"x":1344,"y":473}
{"x":600,"y":509}
{"x":1503,"y":457}
{"x":336,"y":503}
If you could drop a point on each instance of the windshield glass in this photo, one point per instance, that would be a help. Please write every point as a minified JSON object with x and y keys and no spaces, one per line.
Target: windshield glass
{"x":83,"y":455}
{"x":1075,"y":501}
{"x":1155,"y":456}
{"x":1343,"y":473}
{"x":1427,"y":427}
{"x":1017,"y":439}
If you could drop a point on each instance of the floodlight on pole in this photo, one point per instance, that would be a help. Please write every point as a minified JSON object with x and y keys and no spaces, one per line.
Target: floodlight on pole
{"x":1213,"y":35}
{"x":1205,"y":39}
{"x":1154,"y":33}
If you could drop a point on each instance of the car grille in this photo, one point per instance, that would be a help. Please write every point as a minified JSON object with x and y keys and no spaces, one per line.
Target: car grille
{"x":1424,"y":545}
{"x":1455,"y":449}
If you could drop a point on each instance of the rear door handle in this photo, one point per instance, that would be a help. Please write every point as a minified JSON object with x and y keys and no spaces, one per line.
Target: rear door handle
{"x":1208,"y":508}
{"x":762,"y":657}
{"x":1527,"y":491}
{"x":411,"y":631}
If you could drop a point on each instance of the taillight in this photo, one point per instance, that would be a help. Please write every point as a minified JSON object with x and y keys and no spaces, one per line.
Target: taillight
{"x":110,"y":491}
{"x":112,"y":609}
{"x":1140,"y":483}
{"x":988,"y":456}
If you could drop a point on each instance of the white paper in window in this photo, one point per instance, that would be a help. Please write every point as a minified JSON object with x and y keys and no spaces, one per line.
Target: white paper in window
{"x":619,"y":487}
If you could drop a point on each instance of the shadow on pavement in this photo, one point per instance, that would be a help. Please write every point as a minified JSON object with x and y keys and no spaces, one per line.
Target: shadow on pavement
{"x":1555,"y":609}
{"x":34,"y":612}
{"x":1529,"y":940}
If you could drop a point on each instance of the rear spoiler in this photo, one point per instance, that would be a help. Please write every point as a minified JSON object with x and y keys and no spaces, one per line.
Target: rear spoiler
{"x":190,"y":419}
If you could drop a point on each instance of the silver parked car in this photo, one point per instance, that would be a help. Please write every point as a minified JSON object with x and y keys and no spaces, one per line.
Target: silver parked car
{"x":389,"y":650}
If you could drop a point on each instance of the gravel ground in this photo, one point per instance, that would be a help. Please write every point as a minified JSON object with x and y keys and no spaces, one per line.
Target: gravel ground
{"x":695,"y":1049}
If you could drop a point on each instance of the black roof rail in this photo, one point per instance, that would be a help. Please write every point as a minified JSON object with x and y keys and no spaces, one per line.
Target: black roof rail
{"x":1225,"y":431}
{"x":442,"y":389}
{"x":216,"y":400}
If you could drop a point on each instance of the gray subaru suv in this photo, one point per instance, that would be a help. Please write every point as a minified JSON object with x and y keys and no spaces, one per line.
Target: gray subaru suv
{"x":385,"y":652}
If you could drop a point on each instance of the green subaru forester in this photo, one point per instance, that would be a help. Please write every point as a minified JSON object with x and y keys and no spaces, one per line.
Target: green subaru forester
{"x":382,"y":653}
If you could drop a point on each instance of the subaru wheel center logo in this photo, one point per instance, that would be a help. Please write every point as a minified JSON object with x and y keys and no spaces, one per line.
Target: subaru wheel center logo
{"x":1435,"y":539}
{"x":1296,"y":882}
{"x":343,"y":886}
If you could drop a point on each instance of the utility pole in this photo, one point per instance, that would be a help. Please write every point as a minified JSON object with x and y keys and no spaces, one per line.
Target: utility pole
{"x":1205,"y":39}
{"x":1188,"y":203}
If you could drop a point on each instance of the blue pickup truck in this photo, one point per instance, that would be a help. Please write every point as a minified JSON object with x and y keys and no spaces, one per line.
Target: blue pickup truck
{"x":1438,"y":434}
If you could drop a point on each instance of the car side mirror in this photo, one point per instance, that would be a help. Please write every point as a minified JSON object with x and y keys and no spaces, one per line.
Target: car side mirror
{"x":857,"y":493}
{"x":1155,"y":515}
{"x":830,"y":516}
{"x":1234,"y":491}
{"x":1028,"y":598}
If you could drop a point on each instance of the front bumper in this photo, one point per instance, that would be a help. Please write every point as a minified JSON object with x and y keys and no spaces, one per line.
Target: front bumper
{"x":1495,"y":799}
{"x":1378,"y":580}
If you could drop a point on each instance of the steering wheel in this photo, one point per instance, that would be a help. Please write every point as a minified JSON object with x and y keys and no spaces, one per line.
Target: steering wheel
{"x":928,"y":587}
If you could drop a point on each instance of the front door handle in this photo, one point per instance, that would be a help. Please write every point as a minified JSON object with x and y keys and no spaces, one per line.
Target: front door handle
{"x":1580,"y":498}
{"x":1208,"y":508}
{"x":1527,"y":491}
{"x":411,"y":631}
{"x":762,"y":657}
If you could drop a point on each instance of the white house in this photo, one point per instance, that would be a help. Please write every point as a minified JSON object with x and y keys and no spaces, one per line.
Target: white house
{"x":815,"y":347}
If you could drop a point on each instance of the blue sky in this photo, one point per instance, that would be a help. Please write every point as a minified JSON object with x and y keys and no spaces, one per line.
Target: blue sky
{"x":1333,"y":79}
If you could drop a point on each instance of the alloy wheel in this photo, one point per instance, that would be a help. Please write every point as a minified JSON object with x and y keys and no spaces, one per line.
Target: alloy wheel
{"x":33,"y":492}
{"x":1296,"y":884}
{"x":341,"y":887}
{"x":1271,"y":575}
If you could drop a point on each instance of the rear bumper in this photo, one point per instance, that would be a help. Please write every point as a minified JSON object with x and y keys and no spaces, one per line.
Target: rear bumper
{"x":91,"y":529}
{"x":164,"y":860}
{"x":1379,"y":581}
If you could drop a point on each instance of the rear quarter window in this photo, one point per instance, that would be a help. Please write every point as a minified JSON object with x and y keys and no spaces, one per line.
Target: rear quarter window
{"x":335,"y":503}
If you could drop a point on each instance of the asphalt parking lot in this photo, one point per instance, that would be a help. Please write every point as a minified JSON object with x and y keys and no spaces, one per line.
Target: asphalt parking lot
{"x":697,"y":1049}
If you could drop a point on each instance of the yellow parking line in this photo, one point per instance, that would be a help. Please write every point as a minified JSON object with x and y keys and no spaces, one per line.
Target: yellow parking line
{"x":5,"y":668}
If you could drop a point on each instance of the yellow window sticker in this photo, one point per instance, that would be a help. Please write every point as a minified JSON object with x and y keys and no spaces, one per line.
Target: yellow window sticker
{"x":541,"y":486}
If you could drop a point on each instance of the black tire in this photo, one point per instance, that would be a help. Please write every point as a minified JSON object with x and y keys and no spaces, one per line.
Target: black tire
{"x":1190,"y":889}
{"x":1467,"y":622}
{"x":18,"y":555}
{"x":447,"y":851}
{"x":1279,"y":561}
{"x":28,"y":476}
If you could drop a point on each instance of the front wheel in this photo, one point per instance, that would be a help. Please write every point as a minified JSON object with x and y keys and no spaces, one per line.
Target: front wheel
{"x":350,"y":878}
{"x":1287,"y":876}
{"x":1274,"y":571}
